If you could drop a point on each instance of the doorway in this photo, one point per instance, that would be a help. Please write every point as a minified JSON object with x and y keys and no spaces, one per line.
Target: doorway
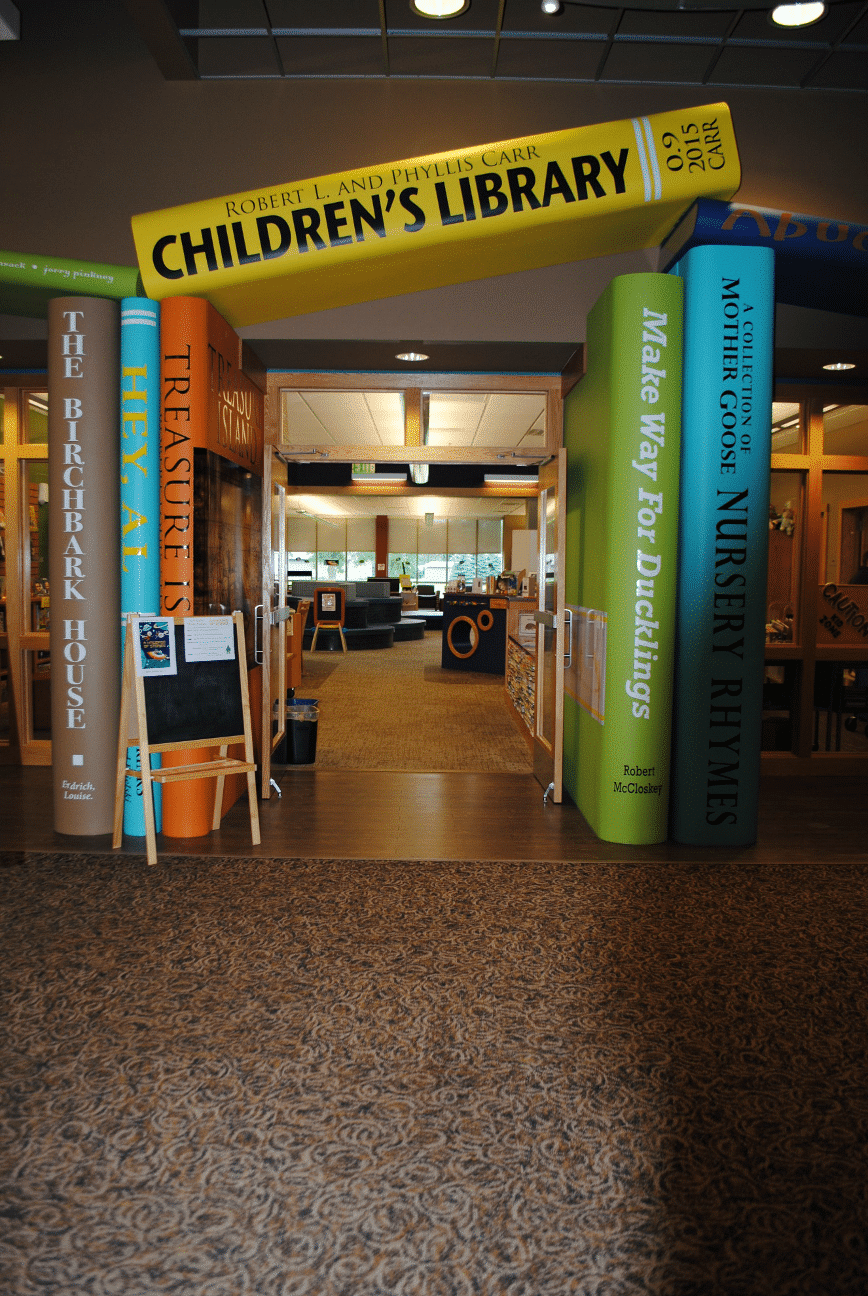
{"x":442,"y":466}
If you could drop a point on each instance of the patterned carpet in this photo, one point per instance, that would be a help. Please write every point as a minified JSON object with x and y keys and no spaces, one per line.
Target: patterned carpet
{"x":330,"y":1078}
{"x":399,"y":709}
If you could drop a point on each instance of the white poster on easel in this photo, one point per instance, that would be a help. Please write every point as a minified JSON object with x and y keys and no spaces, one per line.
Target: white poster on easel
{"x":208,"y":639}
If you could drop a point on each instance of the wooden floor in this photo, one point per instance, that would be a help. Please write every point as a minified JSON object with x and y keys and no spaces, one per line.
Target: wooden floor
{"x":329,"y":814}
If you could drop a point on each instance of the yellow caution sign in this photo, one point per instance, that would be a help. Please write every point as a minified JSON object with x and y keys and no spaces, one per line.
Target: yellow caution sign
{"x":309,"y":245}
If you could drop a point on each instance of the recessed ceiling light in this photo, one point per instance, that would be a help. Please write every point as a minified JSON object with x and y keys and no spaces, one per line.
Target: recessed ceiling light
{"x":439,"y":8}
{"x":412,"y":357}
{"x":798,"y":15}
{"x":551,"y":6}
{"x":840,"y":364}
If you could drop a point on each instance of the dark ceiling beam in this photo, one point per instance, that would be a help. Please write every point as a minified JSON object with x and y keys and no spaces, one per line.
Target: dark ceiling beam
{"x":158,"y":24}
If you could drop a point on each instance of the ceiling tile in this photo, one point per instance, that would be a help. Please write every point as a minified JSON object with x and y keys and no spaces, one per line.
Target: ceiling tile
{"x":859,"y":34}
{"x":843,"y":70}
{"x":232,"y":13}
{"x":319,"y":14}
{"x":331,"y":55}
{"x":648,"y":63}
{"x":457,"y":411}
{"x":762,"y":67}
{"x":386,"y":410}
{"x":299,"y":425}
{"x":238,"y":56}
{"x":449,"y":437}
{"x":507,"y":418}
{"x":440,"y":56}
{"x":651,"y":22}
{"x":573,"y":60}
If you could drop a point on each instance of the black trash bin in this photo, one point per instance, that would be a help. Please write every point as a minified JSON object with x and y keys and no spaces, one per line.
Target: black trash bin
{"x":299,"y":745}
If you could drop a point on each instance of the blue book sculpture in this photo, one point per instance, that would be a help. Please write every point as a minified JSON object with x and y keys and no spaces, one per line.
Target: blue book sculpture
{"x":729,"y":302}
{"x":819,"y":263}
{"x":140,"y":497}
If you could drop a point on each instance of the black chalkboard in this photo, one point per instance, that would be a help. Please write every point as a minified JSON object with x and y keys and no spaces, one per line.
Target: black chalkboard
{"x":202,"y":701}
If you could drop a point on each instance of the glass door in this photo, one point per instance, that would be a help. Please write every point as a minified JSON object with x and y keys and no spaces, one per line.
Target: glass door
{"x":552,"y":642}
{"x":275,"y":613}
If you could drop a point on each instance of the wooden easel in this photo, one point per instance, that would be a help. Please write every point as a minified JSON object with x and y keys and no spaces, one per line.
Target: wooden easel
{"x":140,"y":696}
{"x":329,"y":612}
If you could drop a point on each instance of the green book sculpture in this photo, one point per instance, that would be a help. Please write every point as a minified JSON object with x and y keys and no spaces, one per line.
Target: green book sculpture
{"x":28,"y":281}
{"x":622,"y":426}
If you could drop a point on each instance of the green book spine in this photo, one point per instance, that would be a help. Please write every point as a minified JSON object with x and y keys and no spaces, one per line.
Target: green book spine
{"x":28,"y":282}
{"x":622,"y":431}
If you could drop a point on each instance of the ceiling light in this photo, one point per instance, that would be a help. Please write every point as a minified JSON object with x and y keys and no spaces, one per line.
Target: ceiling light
{"x":439,"y":8}
{"x":551,"y":6}
{"x":798,"y":15}
{"x":511,"y":479}
{"x":419,"y":473}
{"x":839,"y":364}
{"x":379,"y":479}
{"x":412,"y":357}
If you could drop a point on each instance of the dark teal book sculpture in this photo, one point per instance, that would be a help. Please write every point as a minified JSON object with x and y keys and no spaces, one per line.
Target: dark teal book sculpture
{"x":819,"y":263}
{"x":729,"y":305}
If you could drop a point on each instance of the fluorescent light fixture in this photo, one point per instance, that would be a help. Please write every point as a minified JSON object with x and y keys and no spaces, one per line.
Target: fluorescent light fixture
{"x":798,"y":15}
{"x":839,"y":364}
{"x":379,"y":479}
{"x":419,"y":473}
{"x":412,"y":357}
{"x":439,"y":8}
{"x":511,"y":479}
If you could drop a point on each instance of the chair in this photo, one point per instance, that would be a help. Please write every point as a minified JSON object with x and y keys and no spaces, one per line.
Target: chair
{"x":329,"y":612}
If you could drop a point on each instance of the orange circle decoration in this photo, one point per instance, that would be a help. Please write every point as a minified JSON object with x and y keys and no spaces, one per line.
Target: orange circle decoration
{"x":474,"y":637}
{"x":485,"y":620}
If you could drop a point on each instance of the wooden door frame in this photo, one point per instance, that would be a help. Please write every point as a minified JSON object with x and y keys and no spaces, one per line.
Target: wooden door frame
{"x":22,"y":748}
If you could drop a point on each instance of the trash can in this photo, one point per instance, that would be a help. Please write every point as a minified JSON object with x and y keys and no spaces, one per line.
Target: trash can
{"x":299,"y":745}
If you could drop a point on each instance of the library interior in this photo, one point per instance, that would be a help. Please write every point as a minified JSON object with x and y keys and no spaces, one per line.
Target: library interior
{"x":440,"y":441}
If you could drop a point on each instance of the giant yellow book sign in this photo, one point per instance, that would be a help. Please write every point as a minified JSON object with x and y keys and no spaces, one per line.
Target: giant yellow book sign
{"x":450,"y":217}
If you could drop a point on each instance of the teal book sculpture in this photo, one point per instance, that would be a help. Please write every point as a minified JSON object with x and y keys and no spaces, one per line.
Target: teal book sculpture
{"x":622,"y":434}
{"x":729,"y":303}
{"x":140,"y":499}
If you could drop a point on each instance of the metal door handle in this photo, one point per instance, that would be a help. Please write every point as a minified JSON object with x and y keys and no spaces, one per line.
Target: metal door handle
{"x":568,"y":635}
{"x":258,"y":614}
